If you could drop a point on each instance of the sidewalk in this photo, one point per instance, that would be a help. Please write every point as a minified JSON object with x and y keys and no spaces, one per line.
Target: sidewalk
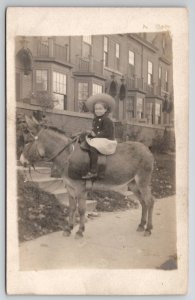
{"x":110,"y":241}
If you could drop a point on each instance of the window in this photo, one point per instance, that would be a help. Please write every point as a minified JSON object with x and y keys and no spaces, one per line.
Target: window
{"x":97,"y":89}
{"x":59,"y":90}
{"x":105,"y":51}
{"x":159,"y":74}
{"x":149,"y":112}
{"x":130,"y":113}
{"x":87,"y":39}
{"x":157,"y":113}
{"x":41,"y":80}
{"x":117,"y":53}
{"x":60,"y":101}
{"x":163,"y":43}
{"x":117,"y":50}
{"x":139,"y":108}
{"x":86,"y":46}
{"x":83,"y":91}
{"x":59,"y":83}
{"x":166,"y":81}
{"x":159,"y":78}
{"x":131,"y":63}
{"x":83,"y":94}
{"x":150,"y":72}
{"x":131,"y":58}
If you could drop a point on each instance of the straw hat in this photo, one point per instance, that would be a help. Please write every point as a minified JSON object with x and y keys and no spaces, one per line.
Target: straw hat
{"x":92,"y":100}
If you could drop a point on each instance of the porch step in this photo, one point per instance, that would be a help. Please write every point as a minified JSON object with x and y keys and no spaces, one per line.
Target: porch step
{"x":62,"y":196}
{"x":34,"y":175}
{"x":50,"y":184}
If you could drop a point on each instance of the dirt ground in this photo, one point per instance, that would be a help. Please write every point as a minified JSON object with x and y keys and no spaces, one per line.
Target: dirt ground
{"x":110,"y":241}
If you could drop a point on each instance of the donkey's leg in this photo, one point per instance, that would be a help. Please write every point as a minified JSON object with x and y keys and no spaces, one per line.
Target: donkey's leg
{"x":150,"y":214}
{"x":72,"y":211}
{"x":81,"y":210}
{"x":146,"y":199}
{"x":134,"y":188}
{"x":142,"y":224}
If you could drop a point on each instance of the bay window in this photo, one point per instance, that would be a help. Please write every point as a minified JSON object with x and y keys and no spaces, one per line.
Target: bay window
{"x":157,"y":113}
{"x":83,"y":94}
{"x":140,"y":108}
{"x":41,"y":80}
{"x":97,"y":89}
{"x":59,"y":90}
{"x":149,"y":112}
{"x":130,"y":107}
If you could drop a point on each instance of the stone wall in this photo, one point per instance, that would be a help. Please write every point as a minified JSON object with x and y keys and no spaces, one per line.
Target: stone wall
{"x":73,"y":122}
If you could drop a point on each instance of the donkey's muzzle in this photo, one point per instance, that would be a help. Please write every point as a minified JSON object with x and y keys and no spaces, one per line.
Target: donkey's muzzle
{"x":24,"y":161}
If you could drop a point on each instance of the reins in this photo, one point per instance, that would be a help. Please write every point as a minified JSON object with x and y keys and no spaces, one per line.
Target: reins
{"x":75,"y":139}
{"x":58,"y":152}
{"x":61,"y":150}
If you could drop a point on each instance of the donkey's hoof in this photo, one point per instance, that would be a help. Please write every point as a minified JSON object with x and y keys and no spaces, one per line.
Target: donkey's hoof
{"x":78,"y":235}
{"x":66,"y":233}
{"x":147,"y":232}
{"x":140,"y":228}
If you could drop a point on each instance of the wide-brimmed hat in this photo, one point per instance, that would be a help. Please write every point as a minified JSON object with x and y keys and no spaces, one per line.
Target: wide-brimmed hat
{"x":92,"y":100}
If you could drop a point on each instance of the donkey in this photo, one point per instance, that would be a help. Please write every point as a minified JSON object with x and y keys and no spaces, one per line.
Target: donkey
{"x":130,"y":166}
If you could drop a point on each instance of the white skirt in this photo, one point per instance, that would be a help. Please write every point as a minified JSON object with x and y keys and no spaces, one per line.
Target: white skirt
{"x":104,"y":146}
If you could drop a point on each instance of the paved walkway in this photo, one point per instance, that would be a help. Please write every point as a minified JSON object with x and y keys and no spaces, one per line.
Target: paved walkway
{"x":110,"y":241}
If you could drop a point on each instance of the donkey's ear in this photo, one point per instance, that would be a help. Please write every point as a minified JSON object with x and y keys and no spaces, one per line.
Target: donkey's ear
{"x":35,"y":120}
{"x":32,"y":125}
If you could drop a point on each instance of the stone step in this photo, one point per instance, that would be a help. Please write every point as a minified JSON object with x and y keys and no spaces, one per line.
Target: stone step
{"x":34,"y":175}
{"x":38,"y":164}
{"x":50,"y":184}
{"x":62,"y":196}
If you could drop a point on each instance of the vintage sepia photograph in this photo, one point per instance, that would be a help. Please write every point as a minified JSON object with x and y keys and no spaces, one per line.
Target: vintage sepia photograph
{"x":95,"y":146}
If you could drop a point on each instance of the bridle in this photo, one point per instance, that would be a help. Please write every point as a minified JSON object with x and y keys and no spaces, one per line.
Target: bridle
{"x":36,"y":137}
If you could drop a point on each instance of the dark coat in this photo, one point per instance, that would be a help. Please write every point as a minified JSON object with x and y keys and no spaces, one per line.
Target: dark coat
{"x":103,"y":127}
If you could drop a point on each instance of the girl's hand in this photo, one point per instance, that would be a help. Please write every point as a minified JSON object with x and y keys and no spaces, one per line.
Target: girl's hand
{"x":93,"y":133}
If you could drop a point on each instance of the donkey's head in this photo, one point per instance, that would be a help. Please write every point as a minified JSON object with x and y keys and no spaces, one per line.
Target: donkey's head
{"x":48,"y":143}
{"x":35,"y":150}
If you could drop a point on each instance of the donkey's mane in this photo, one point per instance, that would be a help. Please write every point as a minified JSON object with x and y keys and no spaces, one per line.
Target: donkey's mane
{"x":55,"y":129}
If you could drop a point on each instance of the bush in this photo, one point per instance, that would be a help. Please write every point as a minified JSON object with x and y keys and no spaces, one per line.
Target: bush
{"x":22,"y":134}
{"x":165,"y":143}
{"x":39,"y":212}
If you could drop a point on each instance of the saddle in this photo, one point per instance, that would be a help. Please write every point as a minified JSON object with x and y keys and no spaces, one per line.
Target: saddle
{"x":79,"y":160}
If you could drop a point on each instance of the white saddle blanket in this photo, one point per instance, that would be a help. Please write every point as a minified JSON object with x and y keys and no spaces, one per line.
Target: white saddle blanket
{"x":104,"y":146}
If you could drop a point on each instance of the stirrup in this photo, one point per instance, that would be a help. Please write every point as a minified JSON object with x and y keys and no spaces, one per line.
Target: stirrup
{"x":89,"y":175}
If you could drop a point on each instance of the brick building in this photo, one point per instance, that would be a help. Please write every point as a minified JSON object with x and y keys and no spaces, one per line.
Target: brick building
{"x":136,"y":69}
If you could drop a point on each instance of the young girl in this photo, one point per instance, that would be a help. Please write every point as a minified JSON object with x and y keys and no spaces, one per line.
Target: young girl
{"x":101,"y":139}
